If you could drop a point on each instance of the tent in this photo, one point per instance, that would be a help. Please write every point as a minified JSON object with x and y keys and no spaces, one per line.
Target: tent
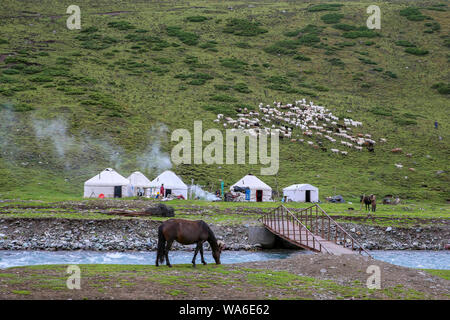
{"x":138,"y":184}
{"x":301,"y":193}
{"x":108,"y":183}
{"x":172,"y":184}
{"x":257,"y":190}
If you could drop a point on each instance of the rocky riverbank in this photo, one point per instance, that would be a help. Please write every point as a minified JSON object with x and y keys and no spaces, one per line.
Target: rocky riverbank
{"x":141,"y":234}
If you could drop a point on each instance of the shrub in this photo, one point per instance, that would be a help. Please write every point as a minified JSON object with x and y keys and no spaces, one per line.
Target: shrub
{"x":243,"y":27}
{"x":223,"y":98}
{"x":308,"y":39}
{"x":22,"y":107}
{"x":223,"y":109}
{"x":325,"y":7}
{"x":413,"y":14}
{"x":404,"y":122}
{"x":332,"y":18}
{"x":274,"y":49}
{"x":241,"y":87}
{"x":41,"y":78}
{"x":222,"y":87}
{"x":416,"y":51}
{"x":344,"y":27}
{"x":233,"y":63}
{"x":10,"y":71}
{"x":442,"y":88}
{"x":301,"y":57}
{"x":164,"y":60}
{"x":188,"y":38}
{"x":89,"y":30}
{"x":336,"y":62}
{"x":404,"y":43}
{"x":121,"y":25}
{"x":390,"y":74}
{"x":3,"y":41}
{"x":367,"y":61}
{"x":196,"y":18}
{"x":243,"y":45}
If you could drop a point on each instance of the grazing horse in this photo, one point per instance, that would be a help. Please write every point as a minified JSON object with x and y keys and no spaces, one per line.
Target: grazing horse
{"x":373,"y":202}
{"x":366,"y":200}
{"x":186,"y":232}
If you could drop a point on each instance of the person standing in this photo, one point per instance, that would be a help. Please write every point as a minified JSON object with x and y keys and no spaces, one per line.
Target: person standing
{"x":436,"y":124}
{"x":161,"y":191}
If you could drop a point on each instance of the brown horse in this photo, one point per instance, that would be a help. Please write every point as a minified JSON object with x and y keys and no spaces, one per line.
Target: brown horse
{"x":186,"y":232}
{"x":366,"y":200}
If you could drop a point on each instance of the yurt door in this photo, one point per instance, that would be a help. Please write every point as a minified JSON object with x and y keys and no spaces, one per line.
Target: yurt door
{"x":259,"y":195}
{"x":118,"y":192}
{"x":308,"y":196}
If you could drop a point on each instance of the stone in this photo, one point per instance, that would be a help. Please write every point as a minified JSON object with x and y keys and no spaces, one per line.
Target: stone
{"x":388,"y":229}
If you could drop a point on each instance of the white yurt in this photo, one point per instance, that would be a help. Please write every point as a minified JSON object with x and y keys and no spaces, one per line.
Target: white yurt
{"x":301,"y":193}
{"x":139,"y":184}
{"x":108,"y":183}
{"x":259,"y":191}
{"x":172,"y":184}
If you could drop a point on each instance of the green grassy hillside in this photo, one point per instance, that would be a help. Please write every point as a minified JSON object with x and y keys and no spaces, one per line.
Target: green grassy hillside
{"x":73,"y":102}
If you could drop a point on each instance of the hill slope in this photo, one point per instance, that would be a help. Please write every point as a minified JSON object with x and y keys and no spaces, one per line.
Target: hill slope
{"x":109,"y":95}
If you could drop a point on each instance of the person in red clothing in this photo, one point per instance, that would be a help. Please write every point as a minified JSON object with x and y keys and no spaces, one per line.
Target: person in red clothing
{"x":161,"y":191}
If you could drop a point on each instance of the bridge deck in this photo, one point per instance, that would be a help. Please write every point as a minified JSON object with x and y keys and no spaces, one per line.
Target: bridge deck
{"x":300,"y":237}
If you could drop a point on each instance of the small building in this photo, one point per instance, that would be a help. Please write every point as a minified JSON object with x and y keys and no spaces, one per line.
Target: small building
{"x":253,"y":189}
{"x":107,"y":184}
{"x":173,"y":185}
{"x":139,"y":185}
{"x":301,"y":193}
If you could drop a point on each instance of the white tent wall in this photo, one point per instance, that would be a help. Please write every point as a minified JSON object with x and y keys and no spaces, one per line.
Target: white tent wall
{"x":254,"y":184}
{"x":95,"y":191}
{"x":297,"y":193}
{"x":171,"y":182}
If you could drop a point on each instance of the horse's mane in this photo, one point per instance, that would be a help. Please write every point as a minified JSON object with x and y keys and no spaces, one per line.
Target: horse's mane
{"x":211,"y":237}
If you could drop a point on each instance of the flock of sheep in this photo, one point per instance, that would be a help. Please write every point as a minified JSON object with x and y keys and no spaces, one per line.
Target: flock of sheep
{"x":313,"y":121}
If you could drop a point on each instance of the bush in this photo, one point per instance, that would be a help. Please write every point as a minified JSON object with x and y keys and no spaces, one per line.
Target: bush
{"x":3,"y":41}
{"x":225,"y":110}
{"x":332,"y":18}
{"x":243,"y":45}
{"x":242,"y":88}
{"x":302,"y":57}
{"x":121,"y":25}
{"x":442,"y":88}
{"x":367,"y":61}
{"x":10,"y":71}
{"x":243,"y":27}
{"x":223,"y":98}
{"x":234,"y":64}
{"x":325,"y":7}
{"x":41,"y":78}
{"x":222,"y":87}
{"x":413,"y":14}
{"x":274,"y":49}
{"x":416,"y":51}
{"x":196,"y":18}
{"x":390,"y":74}
{"x":89,"y":30}
{"x":404,"y":122}
{"x":404,"y":43}
{"x":308,"y":39}
{"x":22,"y":107}
{"x":344,"y":27}
{"x":188,"y":38}
{"x":336,"y":62}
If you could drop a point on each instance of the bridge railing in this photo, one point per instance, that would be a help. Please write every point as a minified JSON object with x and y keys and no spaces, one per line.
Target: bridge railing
{"x":287,"y":225}
{"x":320,"y":223}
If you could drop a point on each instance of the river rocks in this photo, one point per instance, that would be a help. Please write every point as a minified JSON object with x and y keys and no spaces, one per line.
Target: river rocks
{"x":388,"y":229}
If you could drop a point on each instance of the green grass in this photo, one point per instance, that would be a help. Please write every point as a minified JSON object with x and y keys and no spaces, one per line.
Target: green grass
{"x":444,"y":274}
{"x":110,"y":95}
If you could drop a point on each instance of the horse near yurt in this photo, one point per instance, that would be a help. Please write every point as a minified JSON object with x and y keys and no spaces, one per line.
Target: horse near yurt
{"x":366,"y":200}
{"x":187,"y":232}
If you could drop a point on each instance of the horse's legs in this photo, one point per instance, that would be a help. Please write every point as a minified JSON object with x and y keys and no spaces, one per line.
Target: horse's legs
{"x":168,"y":246}
{"x":201,"y":254}
{"x":195,"y":254}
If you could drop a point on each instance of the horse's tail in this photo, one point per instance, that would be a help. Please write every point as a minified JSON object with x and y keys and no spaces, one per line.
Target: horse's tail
{"x":161,"y":245}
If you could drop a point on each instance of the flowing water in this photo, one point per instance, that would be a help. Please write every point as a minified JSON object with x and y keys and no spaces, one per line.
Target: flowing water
{"x":13,"y":258}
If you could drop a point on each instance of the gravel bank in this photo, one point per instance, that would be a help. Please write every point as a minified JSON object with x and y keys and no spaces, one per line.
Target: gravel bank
{"x":141,"y":234}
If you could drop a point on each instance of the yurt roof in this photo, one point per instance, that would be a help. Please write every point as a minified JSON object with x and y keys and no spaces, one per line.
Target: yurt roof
{"x":170,"y":181}
{"x":107,"y":178}
{"x":252,"y":182}
{"x":303,"y":186}
{"x":138,"y":179}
